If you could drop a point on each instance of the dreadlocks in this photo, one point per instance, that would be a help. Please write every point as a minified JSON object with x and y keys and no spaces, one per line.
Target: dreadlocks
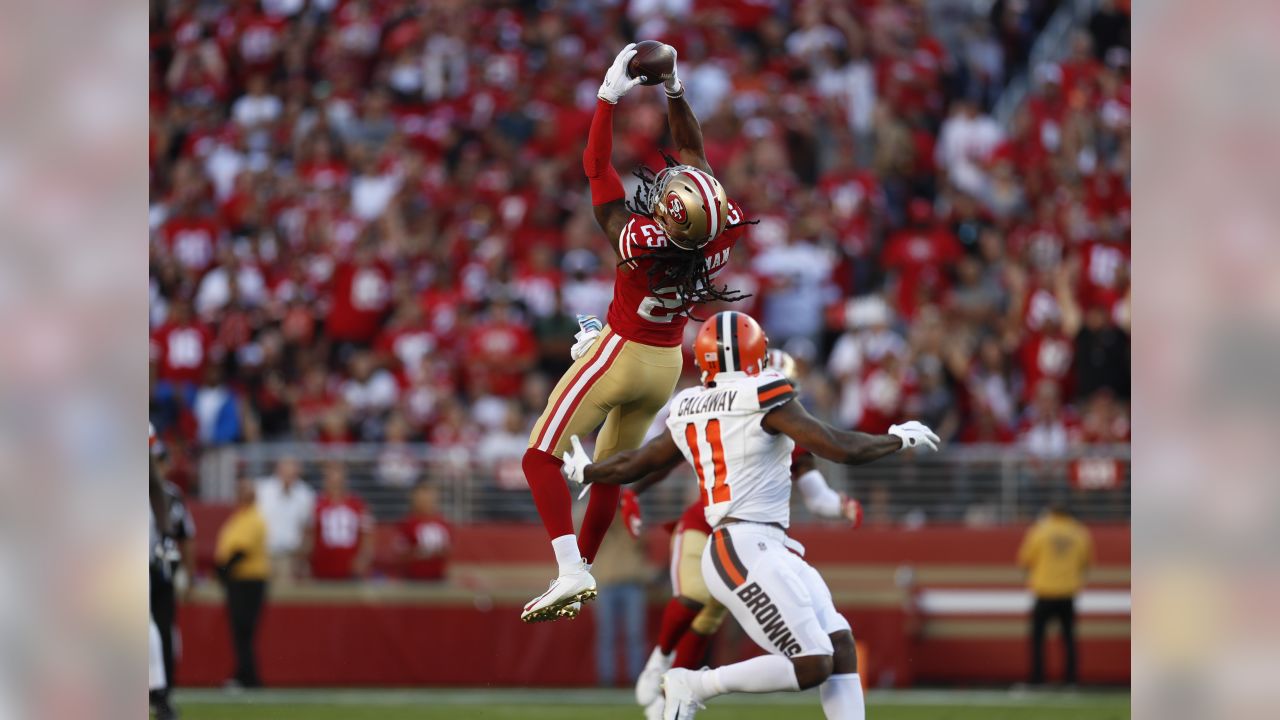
{"x":685,"y":270}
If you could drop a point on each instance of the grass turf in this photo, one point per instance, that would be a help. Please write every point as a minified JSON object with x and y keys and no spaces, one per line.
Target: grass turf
{"x":593,"y":705}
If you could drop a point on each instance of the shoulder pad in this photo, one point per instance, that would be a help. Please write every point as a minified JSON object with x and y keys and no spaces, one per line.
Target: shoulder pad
{"x":773,"y":390}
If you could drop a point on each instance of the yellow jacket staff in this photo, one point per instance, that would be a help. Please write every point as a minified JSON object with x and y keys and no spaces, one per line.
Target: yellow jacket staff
{"x":1057,"y":551}
{"x":244,"y":532}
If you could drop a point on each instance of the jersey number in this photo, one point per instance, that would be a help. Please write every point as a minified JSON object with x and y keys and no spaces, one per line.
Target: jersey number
{"x":662,"y":304}
{"x":719,"y":489}
{"x":339,"y":527}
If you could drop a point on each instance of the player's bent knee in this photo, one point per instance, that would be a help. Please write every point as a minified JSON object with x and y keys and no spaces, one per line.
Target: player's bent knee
{"x":709,"y":619}
{"x":812,"y":670}
{"x":845,"y":656}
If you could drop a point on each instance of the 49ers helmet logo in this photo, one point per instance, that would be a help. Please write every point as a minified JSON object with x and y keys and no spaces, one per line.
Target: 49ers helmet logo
{"x":675,"y":208}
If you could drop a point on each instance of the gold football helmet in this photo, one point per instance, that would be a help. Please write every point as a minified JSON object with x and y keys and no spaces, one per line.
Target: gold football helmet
{"x":689,"y":205}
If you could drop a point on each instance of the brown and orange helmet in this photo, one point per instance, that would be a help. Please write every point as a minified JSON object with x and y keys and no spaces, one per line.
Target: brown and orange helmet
{"x":730,"y":342}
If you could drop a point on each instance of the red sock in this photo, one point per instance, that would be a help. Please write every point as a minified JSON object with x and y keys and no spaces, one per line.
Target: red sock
{"x":601,"y":509}
{"x":691,"y":650}
{"x":550,"y":494}
{"x":677,"y":616}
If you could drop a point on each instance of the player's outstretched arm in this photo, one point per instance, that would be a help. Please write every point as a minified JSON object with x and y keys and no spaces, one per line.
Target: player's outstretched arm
{"x":847,"y":447}
{"x":656,"y":455}
{"x":686,"y":133}
{"x":597,"y":160}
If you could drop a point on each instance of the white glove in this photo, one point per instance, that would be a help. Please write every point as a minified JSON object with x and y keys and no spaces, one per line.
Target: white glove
{"x":915,"y":434}
{"x":616,"y":83}
{"x":589,"y":329}
{"x":575,"y":463}
{"x":673,"y":86}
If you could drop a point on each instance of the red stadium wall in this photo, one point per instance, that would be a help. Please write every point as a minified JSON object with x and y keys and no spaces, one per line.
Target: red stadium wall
{"x":468,"y":632}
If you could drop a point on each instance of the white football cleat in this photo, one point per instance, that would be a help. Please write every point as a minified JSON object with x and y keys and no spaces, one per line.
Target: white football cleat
{"x":677,"y":692}
{"x":575,"y":587}
{"x":649,"y":684}
{"x":569,"y":612}
{"x":653,"y":711}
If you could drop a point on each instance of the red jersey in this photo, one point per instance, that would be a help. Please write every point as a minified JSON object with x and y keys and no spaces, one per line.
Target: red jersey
{"x":192,"y":241}
{"x":428,"y":539}
{"x":920,"y":256}
{"x":654,"y":318}
{"x":361,"y":296}
{"x":182,"y":351}
{"x":338,"y":525}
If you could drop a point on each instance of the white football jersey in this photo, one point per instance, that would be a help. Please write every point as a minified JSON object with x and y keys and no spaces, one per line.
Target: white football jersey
{"x":743,"y":471}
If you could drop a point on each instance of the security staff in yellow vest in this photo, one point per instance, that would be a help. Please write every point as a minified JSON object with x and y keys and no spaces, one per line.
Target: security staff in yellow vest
{"x":1056,"y":553}
{"x":243,"y":568}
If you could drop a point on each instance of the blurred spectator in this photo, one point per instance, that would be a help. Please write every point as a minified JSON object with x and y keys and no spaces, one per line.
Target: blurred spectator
{"x":340,"y":536}
{"x":424,"y":536}
{"x":397,"y":464}
{"x":1109,"y":27}
{"x":499,"y":456}
{"x":1048,"y":431}
{"x":1056,"y":553}
{"x":621,"y":571}
{"x":965,"y":142}
{"x":243,"y":567}
{"x":287,"y":504}
{"x":1101,"y":355}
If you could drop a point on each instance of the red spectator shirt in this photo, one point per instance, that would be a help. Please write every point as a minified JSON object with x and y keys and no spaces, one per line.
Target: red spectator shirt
{"x":494,"y":350}
{"x":182,"y":351}
{"x":338,"y":525}
{"x":654,"y":317}
{"x":361,"y":296}
{"x":428,"y":537}
{"x":1047,"y":356}
{"x":408,"y":346}
{"x":921,"y":256}
{"x":192,"y":241}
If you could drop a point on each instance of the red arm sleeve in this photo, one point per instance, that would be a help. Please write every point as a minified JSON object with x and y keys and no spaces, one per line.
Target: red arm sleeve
{"x":606,"y":186}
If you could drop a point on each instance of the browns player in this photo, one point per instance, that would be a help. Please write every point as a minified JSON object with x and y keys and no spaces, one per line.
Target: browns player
{"x":671,"y":243}
{"x":692,"y":616}
{"x":738,"y":430}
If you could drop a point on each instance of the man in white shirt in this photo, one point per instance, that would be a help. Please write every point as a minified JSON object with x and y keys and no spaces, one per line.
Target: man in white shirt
{"x":286,"y":503}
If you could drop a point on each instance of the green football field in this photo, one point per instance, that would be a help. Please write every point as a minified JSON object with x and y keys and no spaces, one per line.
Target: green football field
{"x":595,"y":704}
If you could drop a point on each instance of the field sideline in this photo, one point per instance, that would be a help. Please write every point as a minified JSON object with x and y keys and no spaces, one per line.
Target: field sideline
{"x":519,"y":704}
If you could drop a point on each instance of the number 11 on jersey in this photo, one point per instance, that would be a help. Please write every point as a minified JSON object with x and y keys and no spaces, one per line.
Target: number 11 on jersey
{"x":720,"y":488}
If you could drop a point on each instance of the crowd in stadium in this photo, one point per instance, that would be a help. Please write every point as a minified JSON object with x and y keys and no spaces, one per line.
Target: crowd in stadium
{"x":377,"y":228}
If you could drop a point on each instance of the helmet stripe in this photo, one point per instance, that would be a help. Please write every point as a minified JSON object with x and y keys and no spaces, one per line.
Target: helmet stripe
{"x":721,"y":341}
{"x":709,"y":198}
{"x":733,"y":334}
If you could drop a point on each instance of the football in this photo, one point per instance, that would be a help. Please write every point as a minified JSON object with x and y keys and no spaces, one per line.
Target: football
{"x":653,"y":60}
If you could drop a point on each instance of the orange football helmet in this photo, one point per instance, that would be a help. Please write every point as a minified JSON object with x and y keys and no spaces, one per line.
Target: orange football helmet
{"x":689,"y":205}
{"x":730,"y":342}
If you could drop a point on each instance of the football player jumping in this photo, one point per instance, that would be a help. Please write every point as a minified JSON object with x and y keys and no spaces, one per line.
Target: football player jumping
{"x":692,"y":617}
{"x":671,"y":244}
{"x":738,"y":430}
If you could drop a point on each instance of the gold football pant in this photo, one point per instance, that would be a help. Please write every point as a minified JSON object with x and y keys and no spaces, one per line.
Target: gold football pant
{"x":620,"y":383}
{"x":687,"y":581}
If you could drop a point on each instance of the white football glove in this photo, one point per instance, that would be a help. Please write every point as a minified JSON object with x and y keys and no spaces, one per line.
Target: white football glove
{"x":914,"y":435}
{"x":672,"y":85}
{"x":589,"y":329}
{"x":575,"y":463}
{"x":616,"y":83}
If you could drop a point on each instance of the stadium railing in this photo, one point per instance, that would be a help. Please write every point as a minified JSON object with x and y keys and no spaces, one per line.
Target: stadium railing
{"x":977,"y":485}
